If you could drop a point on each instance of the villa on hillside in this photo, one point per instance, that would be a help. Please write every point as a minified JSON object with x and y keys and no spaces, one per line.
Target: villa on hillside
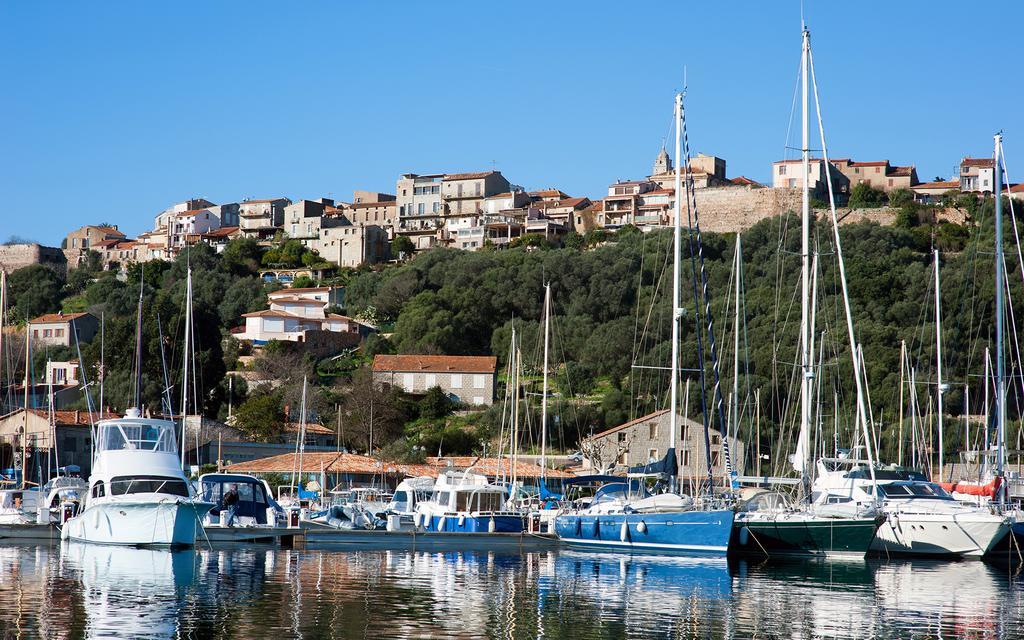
{"x":295,"y":312}
{"x":468,"y":379}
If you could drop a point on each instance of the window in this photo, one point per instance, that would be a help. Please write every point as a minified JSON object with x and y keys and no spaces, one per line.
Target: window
{"x":35,"y":333}
{"x":460,"y":189}
{"x":652,"y":430}
{"x":58,"y":333}
{"x":622,"y":437}
{"x":456,"y":381}
{"x":429,"y":380}
{"x":686,"y":457}
{"x":890,"y":182}
{"x":479,"y":382}
{"x":436,"y":205}
{"x":98,"y":490}
{"x":476,"y":188}
{"x":716,"y":458}
{"x":410,"y":381}
{"x":47,"y":333}
{"x":421,"y":208}
{"x":782,"y":169}
{"x":878,"y":169}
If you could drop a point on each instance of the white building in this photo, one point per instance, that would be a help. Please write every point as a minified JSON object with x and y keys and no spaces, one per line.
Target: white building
{"x":292,"y":313}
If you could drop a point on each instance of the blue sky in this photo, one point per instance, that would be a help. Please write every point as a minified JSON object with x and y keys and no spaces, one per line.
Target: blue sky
{"x":115,"y":110}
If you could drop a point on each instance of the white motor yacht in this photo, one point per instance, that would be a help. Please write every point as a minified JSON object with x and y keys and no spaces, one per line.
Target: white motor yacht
{"x":921,"y":517}
{"x":138,"y":494}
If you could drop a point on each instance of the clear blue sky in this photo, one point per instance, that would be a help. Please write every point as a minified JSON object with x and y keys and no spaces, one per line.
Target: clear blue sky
{"x":114,"y":110}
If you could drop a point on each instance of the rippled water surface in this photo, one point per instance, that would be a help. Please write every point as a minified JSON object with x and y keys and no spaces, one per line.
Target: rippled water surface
{"x":78,"y":591}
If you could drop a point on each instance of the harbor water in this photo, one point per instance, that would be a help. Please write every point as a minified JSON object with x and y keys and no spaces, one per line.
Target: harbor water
{"x":93,"y":591}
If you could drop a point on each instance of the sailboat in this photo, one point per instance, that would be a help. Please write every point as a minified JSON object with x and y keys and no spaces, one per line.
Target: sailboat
{"x":768,"y":523}
{"x":921,"y":516}
{"x":138,"y":493}
{"x":622,"y":515}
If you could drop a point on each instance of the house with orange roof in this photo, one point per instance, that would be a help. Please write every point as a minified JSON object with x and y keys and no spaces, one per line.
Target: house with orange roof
{"x":73,"y":431}
{"x":878,"y":174}
{"x":467,"y":379}
{"x":58,"y":329}
{"x":934,"y":191}
{"x":294,"y":312}
{"x":977,"y":175}
{"x":78,"y":243}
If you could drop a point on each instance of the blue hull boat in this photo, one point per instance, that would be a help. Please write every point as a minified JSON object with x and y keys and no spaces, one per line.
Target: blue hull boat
{"x":686,"y":532}
{"x":505,"y":523}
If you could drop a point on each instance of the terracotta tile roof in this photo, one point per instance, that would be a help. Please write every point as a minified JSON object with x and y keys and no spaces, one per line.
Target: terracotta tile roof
{"x":745,"y":180}
{"x":337,"y":316}
{"x":223,"y":232}
{"x":272,"y":313}
{"x":192,"y":212}
{"x":315,"y":462}
{"x":978,"y":162}
{"x":1017,"y":188}
{"x":57,"y":317}
{"x":468,"y":176}
{"x":902,"y":171}
{"x":871,"y":163}
{"x":494,"y":466}
{"x":311,"y":427}
{"x":435,"y":364}
{"x":550,"y":193}
{"x":942,"y":184}
{"x":507,"y":194}
{"x":68,"y":418}
{"x":109,"y":231}
{"x":660,"y":192}
{"x":105,"y":244}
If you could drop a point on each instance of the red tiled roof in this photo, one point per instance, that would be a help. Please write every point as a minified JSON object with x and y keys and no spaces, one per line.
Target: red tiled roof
{"x":494,"y":466}
{"x":109,"y":231}
{"x":468,"y":176}
{"x":977,"y":162}
{"x":271,"y":313}
{"x":902,"y":171}
{"x":103,"y":244}
{"x":223,"y":232}
{"x":57,"y":317}
{"x":299,"y":299}
{"x":550,"y":193}
{"x":744,"y":180}
{"x":337,"y":316}
{"x":315,"y":462}
{"x":942,"y":184}
{"x":871,"y":163}
{"x":191,"y":212}
{"x":435,"y":364}
{"x":1017,"y":188}
{"x":69,"y":418}
{"x":311,"y":427}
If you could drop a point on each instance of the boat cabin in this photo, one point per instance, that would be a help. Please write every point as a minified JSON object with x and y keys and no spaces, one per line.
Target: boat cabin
{"x":253,"y":495}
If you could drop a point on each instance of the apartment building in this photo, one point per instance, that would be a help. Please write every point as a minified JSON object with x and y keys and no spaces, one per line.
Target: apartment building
{"x":261,"y":219}
{"x":879,"y":174}
{"x":59,"y":329}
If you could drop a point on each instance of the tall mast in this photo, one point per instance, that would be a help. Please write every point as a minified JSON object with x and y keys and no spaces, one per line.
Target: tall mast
{"x":736,"y":344}
{"x":185,"y":360}
{"x":24,"y":430}
{"x":138,"y":347}
{"x":3,"y":313}
{"x":806,"y":370}
{"x":938,"y":364}
{"x":544,"y":396}
{"x":673,"y":420}
{"x":1000,"y":360}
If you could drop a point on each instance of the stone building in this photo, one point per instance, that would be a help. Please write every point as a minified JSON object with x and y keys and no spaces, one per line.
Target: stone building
{"x":647,"y":439}
{"x":73,"y":438}
{"x":467,"y":379}
{"x":878,"y":174}
{"x":16,"y":255}
{"x":786,"y":174}
{"x":56,"y":328}
{"x":78,"y":243}
{"x":261,"y":218}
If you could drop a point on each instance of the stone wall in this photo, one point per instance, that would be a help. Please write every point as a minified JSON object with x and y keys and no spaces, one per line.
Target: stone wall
{"x":16,"y":256}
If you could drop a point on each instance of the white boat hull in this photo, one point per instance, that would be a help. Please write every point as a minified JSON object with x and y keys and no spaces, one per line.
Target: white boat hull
{"x":968,"y":535}
{"x":164,"y":523}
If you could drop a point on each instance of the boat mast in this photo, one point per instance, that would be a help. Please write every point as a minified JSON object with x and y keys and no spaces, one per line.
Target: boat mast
{"x":544,"y":396}
{"x":806,"y":368}
{"x":1000,"y":361}
{"x":24,"y":430}
{"x":736,"y":344}
{"x":938,"y":364}
{"x":673,"y":420}
{"x":184,"y":382}
{"x":138,"y":347}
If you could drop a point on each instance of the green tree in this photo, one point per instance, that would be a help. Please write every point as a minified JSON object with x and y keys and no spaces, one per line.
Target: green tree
{"x":303,"y":282}
{"x":864,"y":196}
{"x":435,"y":404}
{"x":34,"y":290}
{"x":261,"y":416}
{"x":242,"y":257}
{"x":402,"y":246}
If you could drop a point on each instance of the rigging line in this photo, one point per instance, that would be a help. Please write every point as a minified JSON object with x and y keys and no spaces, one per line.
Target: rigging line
{"x":705,"y":290}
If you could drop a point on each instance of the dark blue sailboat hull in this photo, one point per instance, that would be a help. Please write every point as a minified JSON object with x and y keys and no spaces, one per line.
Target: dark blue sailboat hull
{"x":684,"y":532}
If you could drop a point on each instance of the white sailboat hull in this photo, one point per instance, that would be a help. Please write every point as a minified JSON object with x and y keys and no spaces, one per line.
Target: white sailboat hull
{"x":165,"y":522}
{"x":969,"y":534}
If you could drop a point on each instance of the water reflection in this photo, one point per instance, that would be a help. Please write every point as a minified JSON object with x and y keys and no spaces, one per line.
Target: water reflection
{"x":89,"y":591}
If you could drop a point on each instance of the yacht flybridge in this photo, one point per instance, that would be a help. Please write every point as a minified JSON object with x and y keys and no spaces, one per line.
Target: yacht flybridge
{"x":138,"y":494}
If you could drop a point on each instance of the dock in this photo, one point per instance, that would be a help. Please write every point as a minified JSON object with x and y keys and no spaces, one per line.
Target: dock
{"x":31,"y":532}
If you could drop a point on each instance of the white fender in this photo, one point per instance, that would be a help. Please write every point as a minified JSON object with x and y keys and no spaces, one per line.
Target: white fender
{"x":624,"y":532}
{"x":491,"y":526}
{"x":641,"y":527}
{"x":462,"y":519}
{"x":440,"y":523}
{"x":417,"y":520}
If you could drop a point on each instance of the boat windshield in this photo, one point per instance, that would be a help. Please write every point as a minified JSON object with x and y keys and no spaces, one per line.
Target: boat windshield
{"x":906,"y":490}
{"x":140,"y":436}
{"x":613,"y":491}
{"x":122,"y":485}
